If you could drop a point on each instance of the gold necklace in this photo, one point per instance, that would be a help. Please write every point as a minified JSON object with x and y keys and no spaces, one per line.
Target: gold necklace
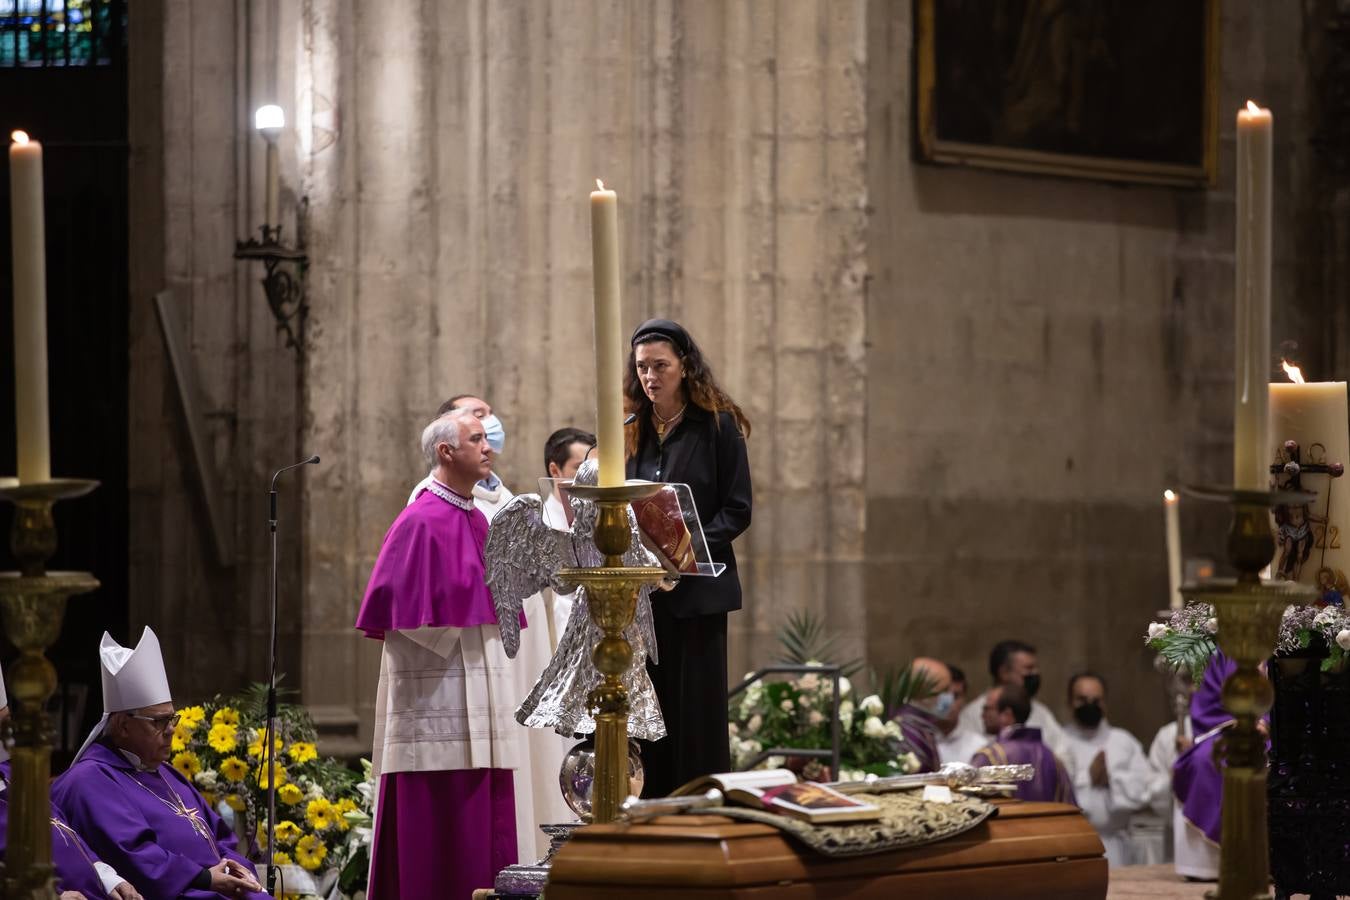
{"x":662,"y":421}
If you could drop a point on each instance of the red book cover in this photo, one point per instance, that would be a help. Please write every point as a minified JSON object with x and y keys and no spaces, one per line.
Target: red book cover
{"x":661,"y":522}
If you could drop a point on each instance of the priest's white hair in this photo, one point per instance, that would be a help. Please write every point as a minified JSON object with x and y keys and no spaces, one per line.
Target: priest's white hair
{"x":443,"y":430}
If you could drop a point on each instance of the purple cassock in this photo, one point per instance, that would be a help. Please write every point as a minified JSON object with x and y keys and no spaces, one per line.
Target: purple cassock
{"x":71,"y":856}
{"x":440,"y":832}
{"x":1019,"y":745}
{"x":154,"y":828}
{"x":921,"y":731}
{"x":1196,"y":779}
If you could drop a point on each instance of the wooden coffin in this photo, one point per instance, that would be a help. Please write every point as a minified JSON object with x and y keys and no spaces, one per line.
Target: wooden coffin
{"x":1031,"y":850}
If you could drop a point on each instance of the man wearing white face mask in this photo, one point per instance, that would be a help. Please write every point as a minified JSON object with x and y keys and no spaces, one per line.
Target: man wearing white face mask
{"x":920,"y":719}
{"x":489,"y":495}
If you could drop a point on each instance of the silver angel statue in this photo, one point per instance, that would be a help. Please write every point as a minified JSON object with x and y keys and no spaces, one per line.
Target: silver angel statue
{"x":524,"y":555}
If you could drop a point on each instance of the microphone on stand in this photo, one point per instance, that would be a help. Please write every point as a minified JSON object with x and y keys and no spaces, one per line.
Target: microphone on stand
{"x":269,"y":731}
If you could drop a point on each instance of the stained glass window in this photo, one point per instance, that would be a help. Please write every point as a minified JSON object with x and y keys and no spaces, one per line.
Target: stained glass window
{"x":62,"y":32}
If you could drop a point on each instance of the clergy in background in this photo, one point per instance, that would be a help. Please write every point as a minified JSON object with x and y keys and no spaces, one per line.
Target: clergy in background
{"x":445,"y":738}
{"x":1112,"y":777}
{"x":1197,"y":782}
{"x":1005,"y":712}
{"x":921,"y":718}
{"x":137,"y":813}
{"x":956,"y":743}
{"x":1014,"y":662}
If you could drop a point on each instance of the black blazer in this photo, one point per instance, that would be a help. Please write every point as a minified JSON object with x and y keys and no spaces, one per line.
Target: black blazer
{"x":708,"y":455}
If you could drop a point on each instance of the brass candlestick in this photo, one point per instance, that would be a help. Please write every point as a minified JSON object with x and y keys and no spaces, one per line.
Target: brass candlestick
{"x":33,"y":602}
{"x":1248,"y":611}
{"x":611,"y":597}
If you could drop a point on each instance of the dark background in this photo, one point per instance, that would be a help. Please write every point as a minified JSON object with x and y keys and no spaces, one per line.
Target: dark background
{"x":1136,"y":69}
{"x":79,"y":113}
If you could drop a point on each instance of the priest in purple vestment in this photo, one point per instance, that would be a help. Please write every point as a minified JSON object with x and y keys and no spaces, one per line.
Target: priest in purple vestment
{"x":921,"y":719}
{"x":137,"y":813}
{"x":1006,"y":710}
{"x":79,"y":872}
{"x":444,"y":741}
{"x":1197,"y":780}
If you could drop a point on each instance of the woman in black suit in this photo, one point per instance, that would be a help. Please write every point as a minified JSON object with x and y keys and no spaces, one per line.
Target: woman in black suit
{"x":688,"y":430}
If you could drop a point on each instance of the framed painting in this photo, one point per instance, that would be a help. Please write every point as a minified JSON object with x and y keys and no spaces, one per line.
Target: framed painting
{"x":1124,"y":90}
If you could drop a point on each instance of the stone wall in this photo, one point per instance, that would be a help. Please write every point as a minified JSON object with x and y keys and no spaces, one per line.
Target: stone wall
{"x":968,"y":389}
{"x":1045,"y":356}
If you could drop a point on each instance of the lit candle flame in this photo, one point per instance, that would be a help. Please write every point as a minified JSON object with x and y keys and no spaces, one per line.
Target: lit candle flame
{"x":19,"y":137}
{"x":1169,"y":496}
{"x":599,"y":185}
{"x":1252,"y":107}
{"x":1295,"y":375}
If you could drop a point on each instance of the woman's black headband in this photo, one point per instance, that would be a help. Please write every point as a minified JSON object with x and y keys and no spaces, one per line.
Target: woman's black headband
{"x":664,"y":330}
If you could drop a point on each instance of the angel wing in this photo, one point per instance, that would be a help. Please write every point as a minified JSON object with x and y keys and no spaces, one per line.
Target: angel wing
{"x":522,"y":556}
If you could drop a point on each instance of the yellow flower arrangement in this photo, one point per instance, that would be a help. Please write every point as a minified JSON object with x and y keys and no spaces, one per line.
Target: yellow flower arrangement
{"x":177,"y":744}
{"x":342,"y":807}
{"x":281,"y":858}
{"x":310,"y":852}
{"x":226,"y":715}
{"x":320,"y":814}
{"x":256,"y":747}
{"x":187,"y":764}
{"x":287,"y":832}
{"x":190,"y":717}
{"x":278,"y":772}
{"x":302,"y":752}
{"x":223,"y":738}
{"x":232,"y":768}
{"x":290,"y":794}
{"x":234,"y":802}
{"x":210,"y":798}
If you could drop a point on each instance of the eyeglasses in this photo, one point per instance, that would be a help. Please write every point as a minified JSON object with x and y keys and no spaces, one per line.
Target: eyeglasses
{"x":162,"y":724}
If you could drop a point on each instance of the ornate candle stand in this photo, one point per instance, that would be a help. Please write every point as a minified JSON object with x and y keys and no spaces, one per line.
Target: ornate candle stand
{"x":33,"y":602}
{"x":611,"y":597}
{"x":1248,"y":612}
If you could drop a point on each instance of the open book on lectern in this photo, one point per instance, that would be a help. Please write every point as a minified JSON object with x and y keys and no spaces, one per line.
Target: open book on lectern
{"x":667,"y":521}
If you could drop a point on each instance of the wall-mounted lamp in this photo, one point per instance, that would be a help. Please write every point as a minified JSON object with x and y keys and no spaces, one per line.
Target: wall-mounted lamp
{"x":284,"y":287}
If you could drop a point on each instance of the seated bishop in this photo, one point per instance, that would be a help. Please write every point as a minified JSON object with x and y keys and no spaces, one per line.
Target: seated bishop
{"x":137,"y":813}
{"x":79,"y":873}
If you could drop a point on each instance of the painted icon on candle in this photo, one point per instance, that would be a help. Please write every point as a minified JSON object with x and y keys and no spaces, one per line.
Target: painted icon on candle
{"x":1311,"y":419}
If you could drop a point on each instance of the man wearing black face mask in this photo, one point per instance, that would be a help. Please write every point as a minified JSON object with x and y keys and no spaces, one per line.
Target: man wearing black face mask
{"x":1111,"y":772}
{"x":1014,"y":662}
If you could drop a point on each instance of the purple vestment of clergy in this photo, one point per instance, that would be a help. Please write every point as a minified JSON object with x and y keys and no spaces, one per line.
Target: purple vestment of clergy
{"x":921,"y":731}
{"x":1019,"y":745}
{"x":154,"y":828}
{"x":1196,"y":779}
{"x":445,"y":814}
{"x":429,"y":572}
{"x":71,"y":856}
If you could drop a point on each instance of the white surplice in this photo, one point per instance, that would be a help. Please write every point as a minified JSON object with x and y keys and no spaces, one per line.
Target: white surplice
{"x":1129,"y":779}
{"x":960,"y":745}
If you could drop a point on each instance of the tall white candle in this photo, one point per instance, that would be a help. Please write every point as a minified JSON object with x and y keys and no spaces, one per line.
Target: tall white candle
{"x":30,"y":308}
{"x":1251,"y":415}
{"x":1173,"y":530}
{"x":609,"y":344}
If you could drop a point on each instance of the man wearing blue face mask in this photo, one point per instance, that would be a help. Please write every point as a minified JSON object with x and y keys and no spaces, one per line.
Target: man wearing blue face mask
{"x":489,"y":495}
{"x":921,"y":719}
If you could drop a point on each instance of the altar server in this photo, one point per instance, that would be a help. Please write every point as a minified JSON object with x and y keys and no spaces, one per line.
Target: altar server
{"x":136,"y":812}
{"x":445,"y":739}
{"x":1112,"y":777}
{"x":1005,"y":712}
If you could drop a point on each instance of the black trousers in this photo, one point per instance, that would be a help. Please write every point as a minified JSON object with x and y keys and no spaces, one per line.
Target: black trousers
{"x":691,"y":683}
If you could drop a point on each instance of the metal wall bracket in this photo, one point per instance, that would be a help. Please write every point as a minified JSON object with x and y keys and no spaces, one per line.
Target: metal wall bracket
{"x":283,"y":277}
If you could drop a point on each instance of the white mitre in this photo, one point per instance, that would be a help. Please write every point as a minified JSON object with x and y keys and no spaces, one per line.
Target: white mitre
{"x":132,"y":679}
